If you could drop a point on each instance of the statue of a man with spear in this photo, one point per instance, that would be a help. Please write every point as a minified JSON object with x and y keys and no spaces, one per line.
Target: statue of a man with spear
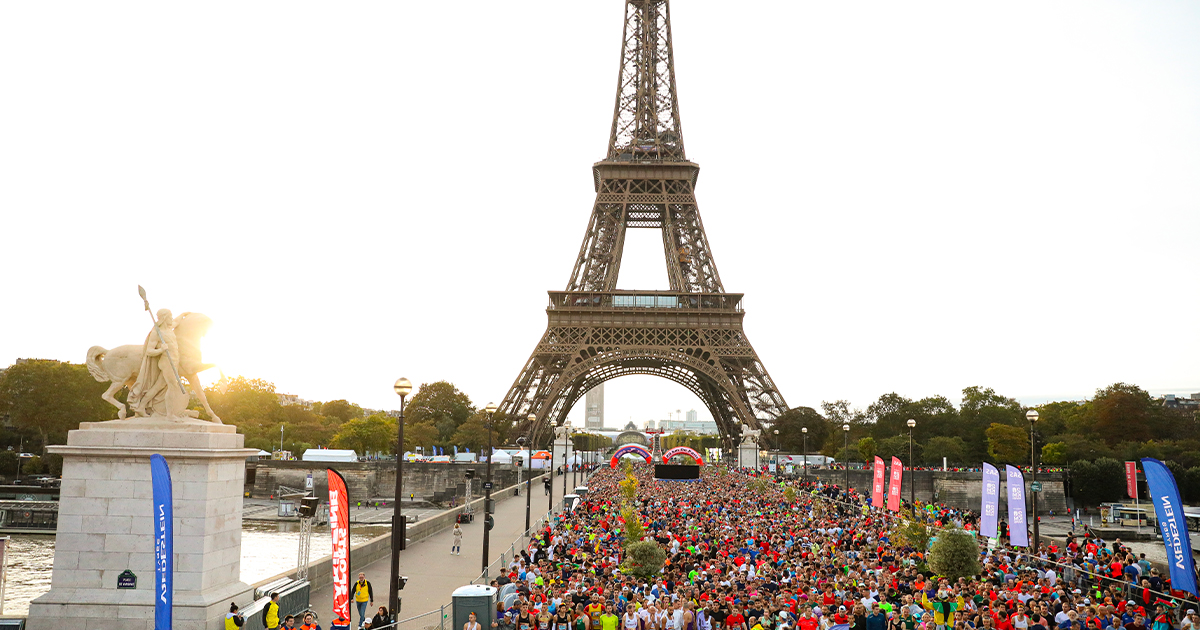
{"x":158,"y":390}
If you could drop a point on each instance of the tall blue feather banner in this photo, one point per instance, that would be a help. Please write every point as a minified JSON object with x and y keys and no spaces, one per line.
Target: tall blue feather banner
{"x":1172,"y":524}
{"x":164,"y":543}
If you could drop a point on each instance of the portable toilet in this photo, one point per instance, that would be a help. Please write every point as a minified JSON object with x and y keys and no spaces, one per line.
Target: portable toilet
{"x":474,"y":598}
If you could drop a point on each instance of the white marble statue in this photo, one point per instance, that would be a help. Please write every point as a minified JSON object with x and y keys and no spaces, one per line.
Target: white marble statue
{"x":750,"y":436}
{"x":561,"y":432}
{"x":152,"y":370}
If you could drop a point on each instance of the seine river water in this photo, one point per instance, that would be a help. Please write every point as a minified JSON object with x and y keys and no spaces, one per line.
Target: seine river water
{"x":267,"y":549}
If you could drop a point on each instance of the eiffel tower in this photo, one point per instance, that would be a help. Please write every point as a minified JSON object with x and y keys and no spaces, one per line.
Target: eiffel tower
{"x":691,"y":334}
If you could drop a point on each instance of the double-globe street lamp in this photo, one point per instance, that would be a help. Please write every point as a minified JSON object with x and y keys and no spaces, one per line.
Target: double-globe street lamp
{"x":403,"y":388}
{"x":912,"y":481}
{"x":1032,"y":416}
{"x":487,"y":486}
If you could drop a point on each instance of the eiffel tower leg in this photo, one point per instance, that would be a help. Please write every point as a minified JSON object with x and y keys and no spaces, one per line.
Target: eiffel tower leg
{"x":685,"y":233}
{"x":599,"y":261}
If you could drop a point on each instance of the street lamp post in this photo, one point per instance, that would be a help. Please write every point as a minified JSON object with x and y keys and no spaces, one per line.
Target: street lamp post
{"x":487,"y":486}
{"x":281,"y":440}
{"x":403,"y":388}
{"x":550,"y":471}
{"x":912,"y":482}
{"x":529,"y":477}
{"x":775,"y":458}
{"x":520,"y":462}
{"x":846,"y":453}
{"x":567,"y":462}
{"x":1032,"y":416}
{"x":804,"y":430}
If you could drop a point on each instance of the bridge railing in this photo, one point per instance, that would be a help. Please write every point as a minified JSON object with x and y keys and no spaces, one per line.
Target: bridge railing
{"x":640,"y":300}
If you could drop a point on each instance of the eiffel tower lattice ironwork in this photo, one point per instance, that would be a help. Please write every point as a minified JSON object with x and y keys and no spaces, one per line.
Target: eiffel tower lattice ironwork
{"x":691,"y":334}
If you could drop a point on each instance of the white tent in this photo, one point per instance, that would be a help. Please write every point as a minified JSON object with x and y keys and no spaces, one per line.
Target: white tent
{"x":500,"y":457}
{"x":330,"y":455}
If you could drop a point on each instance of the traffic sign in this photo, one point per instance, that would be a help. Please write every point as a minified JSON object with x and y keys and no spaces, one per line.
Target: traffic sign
{"x":1036,"y":486}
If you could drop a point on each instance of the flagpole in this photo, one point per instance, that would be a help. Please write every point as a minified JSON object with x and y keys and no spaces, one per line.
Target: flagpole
{"x":1137,"y":510}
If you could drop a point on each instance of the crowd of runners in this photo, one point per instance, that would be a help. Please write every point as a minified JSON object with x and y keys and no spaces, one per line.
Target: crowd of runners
{"x":745,"y":553}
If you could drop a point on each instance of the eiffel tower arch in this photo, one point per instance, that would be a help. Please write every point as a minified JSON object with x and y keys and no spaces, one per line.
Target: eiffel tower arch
{"x":691,"y":334}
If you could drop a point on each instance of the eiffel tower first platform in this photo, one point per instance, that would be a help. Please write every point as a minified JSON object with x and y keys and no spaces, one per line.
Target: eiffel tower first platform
{"x":691,"y":334}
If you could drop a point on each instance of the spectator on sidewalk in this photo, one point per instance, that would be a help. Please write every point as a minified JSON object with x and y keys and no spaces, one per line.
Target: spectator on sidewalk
{"x":364,"y":595}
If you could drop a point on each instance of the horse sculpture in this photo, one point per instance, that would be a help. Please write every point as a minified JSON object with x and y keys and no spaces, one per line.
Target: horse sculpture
{"x":121,"y":364}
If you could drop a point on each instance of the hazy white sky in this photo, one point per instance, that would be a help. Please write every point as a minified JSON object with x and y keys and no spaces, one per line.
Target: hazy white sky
{"x":914,"y":196}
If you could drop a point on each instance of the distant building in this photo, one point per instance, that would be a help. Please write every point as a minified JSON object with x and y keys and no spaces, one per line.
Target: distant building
{"x":594,"y":408}
{"x":691,"y":424}
{"x":292,"y":399}
{"x":1171,"y":401}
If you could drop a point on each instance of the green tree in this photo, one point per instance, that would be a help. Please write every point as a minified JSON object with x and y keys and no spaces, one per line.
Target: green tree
{"x":364,"y":435}
{"x":634,"y":531}
{"x":629,"y":485}
{"x":889,"y":415}
{"x":472,"y":434}
{"x":33,"y":466}
{"x":952,"y":448}
{"x":839,"y":413}
{"x":1057,"y":418}
{"x":1082,"y":447}
{"x":1007,"y":444}
{"x":1126,"y":412}
{"x":251,"y":405}
{"x":866,"y":448}
{"x":955,"y":554}
{"x":913,"y":533}
{"x":305,"y":427}
{"x":442,"y":405}
{"x":50,"y":398}
{"x":848,"y":454}
{"x":789,"y":494}
{"x":342,"y":410}
{"x":790,"y":424}
{"x":590,"y":442}
{"x":8,"y":462}
{"x":643,"y":559}
{"x":1097,"y":482}
{"x":896,"y":446}
{"x":1054,"y":453}
{"x":424,"y":434}
{"x":1189,"y":484}
{"x":981,"y":409}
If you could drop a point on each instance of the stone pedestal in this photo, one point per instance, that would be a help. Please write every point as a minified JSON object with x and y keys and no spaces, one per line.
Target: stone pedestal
{"x":748,"y":455}
{"x":105,"y":525}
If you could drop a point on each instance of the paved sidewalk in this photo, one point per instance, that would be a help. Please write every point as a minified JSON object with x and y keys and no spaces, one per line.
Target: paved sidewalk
{"x":433,"y":573}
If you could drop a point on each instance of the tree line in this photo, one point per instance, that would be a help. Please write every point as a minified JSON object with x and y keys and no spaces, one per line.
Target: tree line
{"x":41,"y":400}
{"x":1120,"y":422}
